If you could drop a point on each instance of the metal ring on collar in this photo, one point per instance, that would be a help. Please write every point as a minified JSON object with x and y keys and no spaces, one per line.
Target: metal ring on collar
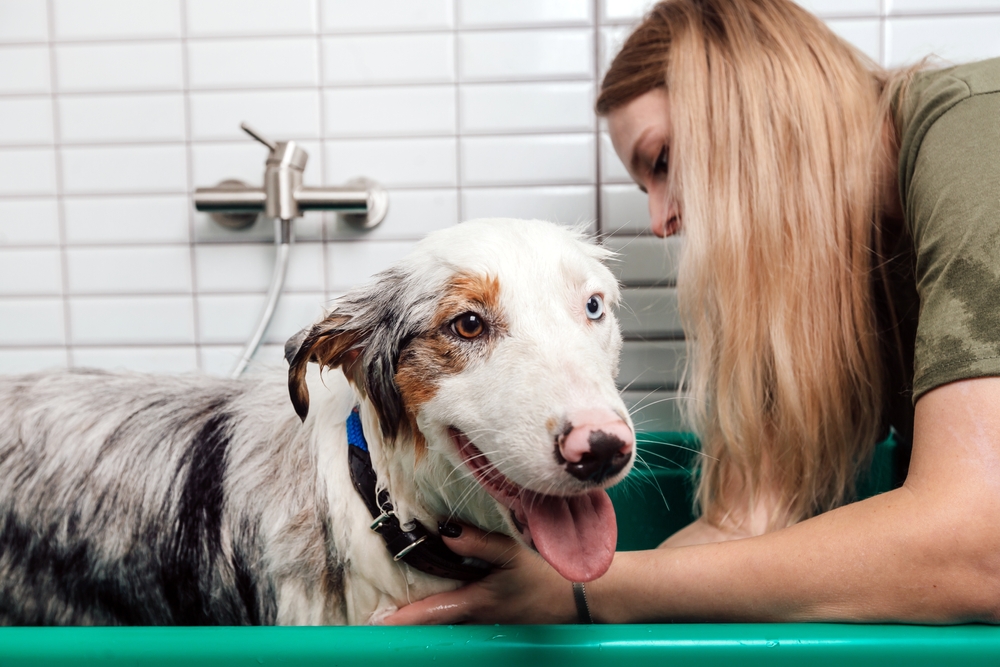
{"x":408,"y":548}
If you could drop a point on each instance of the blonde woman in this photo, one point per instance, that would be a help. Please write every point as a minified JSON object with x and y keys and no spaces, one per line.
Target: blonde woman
{"x":841,"y":276}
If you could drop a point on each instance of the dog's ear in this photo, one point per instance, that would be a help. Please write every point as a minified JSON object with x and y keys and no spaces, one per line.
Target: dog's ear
{"x":364,"y":335}
{"x":330,"y":343}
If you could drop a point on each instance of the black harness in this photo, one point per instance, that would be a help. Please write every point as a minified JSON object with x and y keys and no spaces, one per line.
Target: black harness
{"x":417,"y":547}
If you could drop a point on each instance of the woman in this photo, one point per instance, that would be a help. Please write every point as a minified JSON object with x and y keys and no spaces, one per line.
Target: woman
{"x":841,"y":276}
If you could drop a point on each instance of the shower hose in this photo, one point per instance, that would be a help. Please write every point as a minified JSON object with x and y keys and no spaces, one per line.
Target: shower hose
{"x":282,"y":244}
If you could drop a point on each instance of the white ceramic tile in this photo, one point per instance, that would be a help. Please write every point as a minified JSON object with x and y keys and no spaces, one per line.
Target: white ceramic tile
{"x":277,"y":114}
{"x":624,"y":210}
{"x":124,"y":169}
{"x":29,"y":222}
{"x":842,"y":7}
{"x":942,"y":6}
{"x":234,"y":63}
{"x":862,"y":33}
{"x":119,"y":67}
{"x":612,"y":169}
{"x":37,"y":321}
{"x":30,"y":272}
{"x":538,"y":159}
{"x":111,"y":19}
{"x":27,"y":171}
{"x":231,"y":319}
{"x":409,"y":58}
{"x":524,"y":12}
{"x":348,"y":15}
{"x":412,"y":215}
{"x":244,"y":161}
{"x":25,"y":69}
{"x":526,"y":54}
{"x":29,"y":360}
{"x":626,"y":10}
{"x":251,"y":17}
{"x":248,"y":267}
{"x":180,"y":359}
{"x":396,"y":110}
{"x":572,"y":205}
{"x":132,"y":320}
{"x":353,"y":264}
{"x":955,"y":39}
{"x":307,"y":228}
{"x":523,"y":107}
{"x":129,"y":270}
{"x":111,"y":118}
{"x":25,"y":120}
{"x":23,"y":21}
{"x":393,"y":162}
{"x":143,"y":219}
{"x":219,"y":360}
{"x":611,"y":41}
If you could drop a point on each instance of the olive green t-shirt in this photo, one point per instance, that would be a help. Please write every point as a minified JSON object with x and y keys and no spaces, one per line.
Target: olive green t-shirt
{"x":949,"y":179}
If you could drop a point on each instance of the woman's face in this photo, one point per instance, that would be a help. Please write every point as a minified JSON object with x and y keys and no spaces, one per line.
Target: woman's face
{"x":640,"y":132}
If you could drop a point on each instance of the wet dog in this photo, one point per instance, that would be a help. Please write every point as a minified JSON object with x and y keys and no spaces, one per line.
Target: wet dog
{"x":473,"y":381}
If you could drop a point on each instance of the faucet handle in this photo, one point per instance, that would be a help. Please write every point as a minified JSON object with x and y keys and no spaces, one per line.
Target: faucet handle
{"x":258,"y":136}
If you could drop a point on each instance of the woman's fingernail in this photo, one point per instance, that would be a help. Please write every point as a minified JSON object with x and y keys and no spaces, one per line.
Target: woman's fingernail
{"x":447,"y":529}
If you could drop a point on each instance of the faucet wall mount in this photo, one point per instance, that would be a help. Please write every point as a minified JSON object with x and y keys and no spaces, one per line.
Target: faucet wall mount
{"x":363,"y":203}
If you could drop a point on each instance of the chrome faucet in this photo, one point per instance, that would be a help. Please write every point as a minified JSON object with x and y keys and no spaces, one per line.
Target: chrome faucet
{"x":235,"y":204}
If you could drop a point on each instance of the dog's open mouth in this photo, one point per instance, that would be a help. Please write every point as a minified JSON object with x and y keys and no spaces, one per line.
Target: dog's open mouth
{"x":575,"y":534}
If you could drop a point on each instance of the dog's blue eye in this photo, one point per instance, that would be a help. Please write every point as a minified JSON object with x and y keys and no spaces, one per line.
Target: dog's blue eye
{"x":595,"y":307}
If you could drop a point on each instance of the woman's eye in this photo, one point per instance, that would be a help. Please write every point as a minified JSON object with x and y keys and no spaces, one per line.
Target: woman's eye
{"x":468,"y":325}
{"x":595,"y":307}
{"x":662,"y":164}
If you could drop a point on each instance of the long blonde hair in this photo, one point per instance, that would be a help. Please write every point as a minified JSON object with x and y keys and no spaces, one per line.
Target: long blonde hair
{"x":776,"y":162}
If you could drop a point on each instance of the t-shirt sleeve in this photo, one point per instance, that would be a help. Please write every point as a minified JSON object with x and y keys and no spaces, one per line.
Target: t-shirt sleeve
{"x":953,"y":208}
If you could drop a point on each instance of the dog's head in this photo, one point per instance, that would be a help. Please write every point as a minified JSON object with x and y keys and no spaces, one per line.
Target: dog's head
{"x":493,"y":347}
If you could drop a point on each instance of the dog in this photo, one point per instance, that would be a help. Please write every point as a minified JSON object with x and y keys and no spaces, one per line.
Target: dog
{"x":471,"y":382}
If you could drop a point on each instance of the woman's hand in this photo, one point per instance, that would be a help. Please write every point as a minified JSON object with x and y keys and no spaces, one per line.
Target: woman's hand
{"x":522,"y":588}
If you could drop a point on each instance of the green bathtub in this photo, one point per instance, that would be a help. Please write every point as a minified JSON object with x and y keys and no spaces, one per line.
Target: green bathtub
{"x":651,"y":504}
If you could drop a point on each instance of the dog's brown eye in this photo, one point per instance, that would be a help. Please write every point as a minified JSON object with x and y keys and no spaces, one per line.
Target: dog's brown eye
{"x":468,"y":325}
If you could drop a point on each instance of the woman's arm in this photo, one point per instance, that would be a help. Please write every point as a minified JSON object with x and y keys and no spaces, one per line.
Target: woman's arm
{"x":928,"y":552}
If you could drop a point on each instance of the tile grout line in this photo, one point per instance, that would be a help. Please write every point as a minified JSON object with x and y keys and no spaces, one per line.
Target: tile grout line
{"x":595,"y":87}
{"x":883,"y":27}
{"x":456,"y":54}
{"x":189,"y":167}
{"x":57,"y":165}
{"x":327,"y":220}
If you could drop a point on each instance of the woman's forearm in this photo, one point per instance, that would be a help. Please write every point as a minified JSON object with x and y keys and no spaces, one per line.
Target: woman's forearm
{"x":894,"y":557}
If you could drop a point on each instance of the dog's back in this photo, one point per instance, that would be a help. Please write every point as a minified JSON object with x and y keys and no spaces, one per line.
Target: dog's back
{"x":117,"y":504}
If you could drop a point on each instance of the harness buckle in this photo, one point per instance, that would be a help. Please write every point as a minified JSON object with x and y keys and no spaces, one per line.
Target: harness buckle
{"x":381,"y":518}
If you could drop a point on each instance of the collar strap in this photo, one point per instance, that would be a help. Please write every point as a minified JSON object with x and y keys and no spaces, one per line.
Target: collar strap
{"x":417,"y":547}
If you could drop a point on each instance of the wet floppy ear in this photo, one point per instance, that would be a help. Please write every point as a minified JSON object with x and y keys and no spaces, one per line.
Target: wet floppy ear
{"x":331,"y":343}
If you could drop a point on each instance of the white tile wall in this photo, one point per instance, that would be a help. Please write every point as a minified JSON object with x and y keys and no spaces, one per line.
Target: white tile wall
{"x":112,"y":111}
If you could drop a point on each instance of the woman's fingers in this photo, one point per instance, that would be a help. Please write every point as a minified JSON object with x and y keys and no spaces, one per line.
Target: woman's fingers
{"x":441,"y":609}
{"x":522,"y":588}
{"x":490,"y":547}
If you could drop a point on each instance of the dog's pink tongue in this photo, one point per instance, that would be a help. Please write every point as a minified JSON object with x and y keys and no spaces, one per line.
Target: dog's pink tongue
{"x":575,"y":535}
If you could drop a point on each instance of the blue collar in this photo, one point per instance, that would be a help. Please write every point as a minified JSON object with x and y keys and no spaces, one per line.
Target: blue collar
{"x":356,"y":434}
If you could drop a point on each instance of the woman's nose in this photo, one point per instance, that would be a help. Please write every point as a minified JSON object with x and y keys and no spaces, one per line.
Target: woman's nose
{"x":663,"y":218}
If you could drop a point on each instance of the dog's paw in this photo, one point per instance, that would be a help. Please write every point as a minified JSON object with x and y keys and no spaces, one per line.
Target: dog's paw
{"x":379,"y":615}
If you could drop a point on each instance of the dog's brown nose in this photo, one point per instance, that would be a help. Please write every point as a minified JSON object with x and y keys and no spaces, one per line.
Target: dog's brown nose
{"x":596,"y":446}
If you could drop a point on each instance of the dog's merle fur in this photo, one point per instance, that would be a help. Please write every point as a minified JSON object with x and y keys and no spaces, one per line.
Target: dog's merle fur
{"x":128,"y":498}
